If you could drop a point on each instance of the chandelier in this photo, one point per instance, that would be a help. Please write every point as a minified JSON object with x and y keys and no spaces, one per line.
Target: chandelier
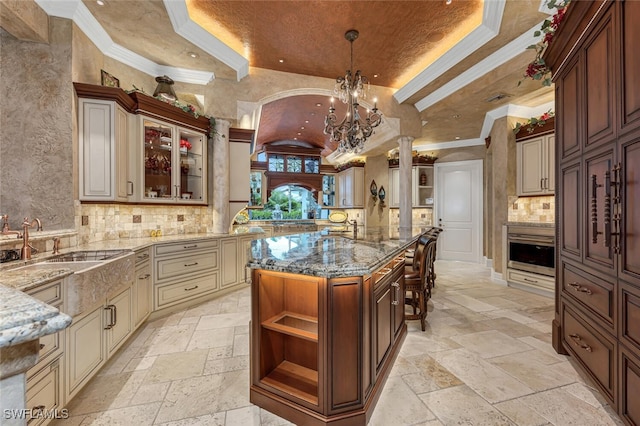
{"x":351,"y":133}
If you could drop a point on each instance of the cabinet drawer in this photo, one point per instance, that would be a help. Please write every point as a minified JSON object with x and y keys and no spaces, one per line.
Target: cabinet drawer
{"x":186,"y":265}
{"x":171,"y":294}
{"x":43,"y":393}
{"x":596,"y":295}
{"x":185,"y":246}
{"x":534,"y":280}
{"x":142,"y":255}
{"x":48,"y":293}
{"x":630,"y":315}
{"x":593,"y":348}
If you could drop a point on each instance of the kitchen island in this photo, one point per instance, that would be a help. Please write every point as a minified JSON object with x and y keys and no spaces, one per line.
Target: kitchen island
{"x":327,"y":323}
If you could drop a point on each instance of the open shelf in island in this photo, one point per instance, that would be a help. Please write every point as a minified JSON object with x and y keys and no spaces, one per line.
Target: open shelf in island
{"x":295,"y":380}
{"x":293,"y":324}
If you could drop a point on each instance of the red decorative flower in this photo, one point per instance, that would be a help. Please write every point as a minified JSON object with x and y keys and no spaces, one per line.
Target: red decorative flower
{"x":185,"y":144}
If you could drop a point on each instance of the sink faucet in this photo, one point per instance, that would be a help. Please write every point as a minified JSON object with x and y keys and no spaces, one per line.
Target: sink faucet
{"x":5,"y":227}
{"x":26,"y":247}
{"x":355,"y":228}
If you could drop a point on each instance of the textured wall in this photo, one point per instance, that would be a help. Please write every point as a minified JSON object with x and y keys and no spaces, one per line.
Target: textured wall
{"x":532,"y":209}
{"x":376,"y":168}
{"x":36,"y":141}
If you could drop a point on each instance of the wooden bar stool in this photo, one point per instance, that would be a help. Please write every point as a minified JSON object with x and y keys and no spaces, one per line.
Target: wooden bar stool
{"x":416,"y":279}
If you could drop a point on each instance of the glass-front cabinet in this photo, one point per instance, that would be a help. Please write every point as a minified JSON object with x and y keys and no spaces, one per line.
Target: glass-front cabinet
{"x":328,"y":191}
{"x":174,"y":164}
{"x":257,"y":190}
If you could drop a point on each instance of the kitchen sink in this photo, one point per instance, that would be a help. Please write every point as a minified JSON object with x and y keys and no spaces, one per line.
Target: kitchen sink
{"x":87,"y":256}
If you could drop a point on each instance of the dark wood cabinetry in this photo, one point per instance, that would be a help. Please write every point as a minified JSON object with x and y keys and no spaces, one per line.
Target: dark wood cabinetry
{"x":595,"y":66}
{"x":322,"y":348}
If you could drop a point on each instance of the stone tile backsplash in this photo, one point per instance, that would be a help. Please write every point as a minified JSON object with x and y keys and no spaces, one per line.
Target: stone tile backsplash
{"x":532,"y":209}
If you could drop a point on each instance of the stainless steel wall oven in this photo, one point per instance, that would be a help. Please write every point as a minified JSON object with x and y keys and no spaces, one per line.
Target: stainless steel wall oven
{"x":531,"y":249}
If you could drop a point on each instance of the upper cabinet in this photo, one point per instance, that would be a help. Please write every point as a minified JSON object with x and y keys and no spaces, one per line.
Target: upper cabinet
{"x":351,"y":187}
{"x":536,"y":166}
{"x":102,"y":136}
{"x":421,"y":185}
{"x":329,"y":190}
{"x":172,"y":165}
{"x":135,"y":148}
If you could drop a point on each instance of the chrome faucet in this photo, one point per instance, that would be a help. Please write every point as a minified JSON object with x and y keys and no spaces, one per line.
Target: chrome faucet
{"x":27,"y":249}
{"x":5,"y":227}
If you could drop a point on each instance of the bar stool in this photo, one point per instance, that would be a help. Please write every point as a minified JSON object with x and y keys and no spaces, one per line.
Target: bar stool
{"x":416,"y":280}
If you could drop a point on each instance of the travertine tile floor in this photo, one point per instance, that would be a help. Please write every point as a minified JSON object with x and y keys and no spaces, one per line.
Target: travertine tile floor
{"x":485,"y":359}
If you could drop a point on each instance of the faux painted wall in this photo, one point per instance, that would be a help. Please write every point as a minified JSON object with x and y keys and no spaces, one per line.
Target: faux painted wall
{"x":36,"y":134}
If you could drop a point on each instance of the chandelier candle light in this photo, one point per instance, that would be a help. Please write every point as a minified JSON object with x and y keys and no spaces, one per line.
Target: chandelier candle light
{"x":351,"y":133}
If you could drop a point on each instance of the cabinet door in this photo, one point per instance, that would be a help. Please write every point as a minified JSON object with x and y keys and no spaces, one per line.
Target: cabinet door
{"x":530,"y":160}
{"x":229,"y":262}
{"x":85,"y":352}
{"x":629,"y":212}
{"x":123,"y":186}
{"x":142,"y":293}
{"x":257,"y":189}
{"x":329,"y":191}
{"x":98,"y":153}
{"x":631,"y":63}
{"x":394,"y":187}
{"x":345,"y":179}
{"x":119,"y":320}
{"x":423,"y":186}
{"x":550,"y":164}
{"x":383,"y":324}
{"x":190,"y":168}
{"x":357,"y":190}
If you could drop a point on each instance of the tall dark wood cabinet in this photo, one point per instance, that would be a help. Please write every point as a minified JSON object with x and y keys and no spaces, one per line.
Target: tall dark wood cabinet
{"x":596,"y":65}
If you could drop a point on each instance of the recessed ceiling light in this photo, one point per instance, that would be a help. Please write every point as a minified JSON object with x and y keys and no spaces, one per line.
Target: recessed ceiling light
{"x":448,"y":1}
{"x":457,"y":138}
{"x":318,"y":104}
{"x":281,"y":60}
{"x":192,"y":54}
{"x":375,"y":75}
{"x":306,"y":121}
{"x":100,"y":2}
{"x":295,"y":139}
{"x":299,"y":133}
{"x":302,"y":128}
{"x":456,"y":116}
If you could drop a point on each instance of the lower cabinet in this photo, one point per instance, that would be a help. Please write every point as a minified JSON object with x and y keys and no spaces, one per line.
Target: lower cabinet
{"x":93,"y":337}
{"x":45,"y":390}
{"x":229,"y":253}
{"x":142,"y":288}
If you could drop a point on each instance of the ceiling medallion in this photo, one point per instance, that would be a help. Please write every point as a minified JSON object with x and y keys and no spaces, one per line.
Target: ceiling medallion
{"x":352,"y":132}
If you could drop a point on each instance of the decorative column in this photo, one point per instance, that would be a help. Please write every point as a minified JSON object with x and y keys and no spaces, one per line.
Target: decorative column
{"x":220,"y":182}
{"x":405,"y":207}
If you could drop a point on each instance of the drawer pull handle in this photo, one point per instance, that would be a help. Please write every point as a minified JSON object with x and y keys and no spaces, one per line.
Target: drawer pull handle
{"x":397,"y":286}
{"x":191,"y":246}
{"x":579,"y":288}
{"x":190,"y":264}
{"x":191,"y":288}
{"x":142,"y":256}
{"x":144,"y":277}
{"x":38,"y":408}
{"x":530,"y":280}
{"x":578,"y":341}
{"x":42,"y":345}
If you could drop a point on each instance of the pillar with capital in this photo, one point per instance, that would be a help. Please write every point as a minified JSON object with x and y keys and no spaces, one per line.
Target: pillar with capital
{"x":220,"y":174}
{"x":405,"y":206}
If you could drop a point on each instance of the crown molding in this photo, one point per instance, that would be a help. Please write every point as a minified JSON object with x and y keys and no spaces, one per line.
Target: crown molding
{"x":490,"y":27}
{"x":195,"y":34}
{"x":499,"y":57}
{"x":89,"y":25}
{"x":509,"y":110}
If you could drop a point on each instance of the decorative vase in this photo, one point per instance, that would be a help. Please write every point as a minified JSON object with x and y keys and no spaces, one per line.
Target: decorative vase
{"x":183,"y":150}
{"x":423,"y":179}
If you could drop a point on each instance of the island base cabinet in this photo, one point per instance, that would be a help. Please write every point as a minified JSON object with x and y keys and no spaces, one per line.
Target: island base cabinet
{"x":316,"y":356}
{"x":44,"y":394}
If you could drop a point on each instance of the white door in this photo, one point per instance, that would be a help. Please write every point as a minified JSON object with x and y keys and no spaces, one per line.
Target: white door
{"x":458,"y":191}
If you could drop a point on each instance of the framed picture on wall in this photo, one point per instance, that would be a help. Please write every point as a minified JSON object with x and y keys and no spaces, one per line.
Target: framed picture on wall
{"x":108,"y":80}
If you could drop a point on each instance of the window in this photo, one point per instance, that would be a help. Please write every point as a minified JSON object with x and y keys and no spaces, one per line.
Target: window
{"x":276,"y":163}
{"x":262,"y":157}
{"x":312,"y":165}
{"x":294,"y":164}
{"x":288,"y":202}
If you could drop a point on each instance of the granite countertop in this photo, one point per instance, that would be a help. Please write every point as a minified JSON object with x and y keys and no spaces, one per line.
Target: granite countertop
{"x":24,"y":318}
{"x":328,"y":255}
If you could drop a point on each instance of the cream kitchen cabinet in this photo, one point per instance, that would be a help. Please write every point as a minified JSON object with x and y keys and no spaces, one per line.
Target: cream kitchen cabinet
{"x":45,"y":389}
{"x":351,"y":188}
{"x":142,"y":287}
{"x":185,"y":271}
{"x":535,"y":166}
{"x":103,"y":130}
{"x":93,"y":337}
{"x":421,"y":187}
{"x":230,"y":274}
{"x":169,"y":163}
